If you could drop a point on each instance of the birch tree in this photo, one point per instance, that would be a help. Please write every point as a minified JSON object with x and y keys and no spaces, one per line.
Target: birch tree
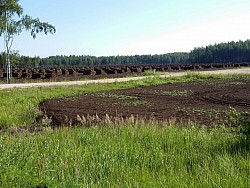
{"x":10,"y":27}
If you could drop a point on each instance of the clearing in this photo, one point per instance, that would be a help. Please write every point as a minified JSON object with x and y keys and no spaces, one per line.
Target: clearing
{"x":205,"y":102}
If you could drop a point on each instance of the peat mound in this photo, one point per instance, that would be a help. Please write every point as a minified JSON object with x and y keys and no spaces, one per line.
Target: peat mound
{"x":204,"y":102}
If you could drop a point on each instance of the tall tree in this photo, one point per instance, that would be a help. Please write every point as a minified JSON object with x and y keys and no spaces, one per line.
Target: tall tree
{"x":9,"y":27}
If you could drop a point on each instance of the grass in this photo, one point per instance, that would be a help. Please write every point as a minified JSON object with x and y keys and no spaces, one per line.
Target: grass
{"x":125,"y":156}
{"x":150,"y":73}
{"x":128,"y":155}
{"x":115,"y":96}
{"x":174,"y":93}
{"x":134,"y":103}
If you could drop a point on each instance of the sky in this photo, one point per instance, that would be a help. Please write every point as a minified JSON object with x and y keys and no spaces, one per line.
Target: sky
{"x":130,"y":27}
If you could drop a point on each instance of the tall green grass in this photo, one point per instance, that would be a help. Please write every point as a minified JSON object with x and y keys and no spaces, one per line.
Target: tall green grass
{"x":125,"y":156}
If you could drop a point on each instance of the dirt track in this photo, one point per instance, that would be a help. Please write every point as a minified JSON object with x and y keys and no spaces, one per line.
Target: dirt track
{"x":166,"y":74}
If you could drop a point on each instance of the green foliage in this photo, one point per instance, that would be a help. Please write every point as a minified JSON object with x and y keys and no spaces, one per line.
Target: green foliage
{"x":134,"y":103}
{"x":222,"y":53}
{"x":124,"y":156}
{"x":10,"y":8}
{"x":116,"y":96}
{"x":82,"y":60}
{"x":174,"y":93}
{"x":150,"y":73}
{"x":15,"y":59}
{"x":235,"y":119}
{"x":35,"y":26}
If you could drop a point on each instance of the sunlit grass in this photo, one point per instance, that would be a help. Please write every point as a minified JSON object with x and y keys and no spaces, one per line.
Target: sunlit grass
{"x":125,"y":156}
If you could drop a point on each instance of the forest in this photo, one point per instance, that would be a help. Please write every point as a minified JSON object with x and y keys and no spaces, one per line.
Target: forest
{"x":236,"y":52}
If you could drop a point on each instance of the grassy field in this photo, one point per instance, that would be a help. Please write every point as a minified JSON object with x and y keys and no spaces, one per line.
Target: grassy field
{"x":130,"y":155}
{"x":126,"y":156}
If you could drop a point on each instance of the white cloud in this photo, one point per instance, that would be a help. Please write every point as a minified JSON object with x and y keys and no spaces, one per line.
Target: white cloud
{"x":216,"y":31}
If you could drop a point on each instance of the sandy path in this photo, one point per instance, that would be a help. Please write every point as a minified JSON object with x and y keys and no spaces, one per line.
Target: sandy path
{"x":167,"y":74}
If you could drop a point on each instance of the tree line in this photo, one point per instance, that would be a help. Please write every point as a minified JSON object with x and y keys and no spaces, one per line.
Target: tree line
{"x":18,"y":61}
{"x":218,"y":53}
{"x":222,"y":53}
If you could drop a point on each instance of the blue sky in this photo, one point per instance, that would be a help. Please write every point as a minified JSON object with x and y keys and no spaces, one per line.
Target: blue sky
{"x":128,"y":27}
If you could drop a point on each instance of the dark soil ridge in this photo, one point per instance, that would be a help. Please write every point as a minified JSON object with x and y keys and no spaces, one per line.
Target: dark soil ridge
{"x":203,"y":102}
{"x":20,"y":75}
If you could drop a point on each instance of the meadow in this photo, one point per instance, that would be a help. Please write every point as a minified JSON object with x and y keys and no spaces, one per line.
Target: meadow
{"x":123,"y":155}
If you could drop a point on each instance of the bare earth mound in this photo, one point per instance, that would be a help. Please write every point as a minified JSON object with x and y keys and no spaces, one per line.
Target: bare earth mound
{"x":204,"y":102}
